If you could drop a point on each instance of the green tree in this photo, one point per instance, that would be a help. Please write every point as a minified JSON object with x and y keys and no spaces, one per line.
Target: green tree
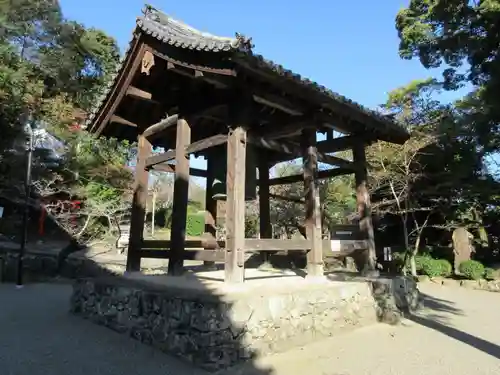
{"x":464,"y":36}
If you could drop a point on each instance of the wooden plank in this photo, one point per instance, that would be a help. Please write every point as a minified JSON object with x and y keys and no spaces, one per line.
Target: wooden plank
{"x":138,"y":206}
{"x":121,"y":120}
{"x":312,"y":204}
{"x":161,"y":126}
{"x":170,"y":168}
{"x":364,"y":207}
{"x":180,"y":199}
{"x":327,"y":173}
{"x":210,"y":204}
{"x":235,"y":214}
{"x":190,"y":149}
{"x":188,"y":254}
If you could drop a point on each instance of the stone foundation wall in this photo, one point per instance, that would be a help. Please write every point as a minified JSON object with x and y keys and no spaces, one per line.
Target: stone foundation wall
{"x":216,"y":333}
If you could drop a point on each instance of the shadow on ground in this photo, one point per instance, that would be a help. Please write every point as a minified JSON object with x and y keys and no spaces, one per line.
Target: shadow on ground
{"x":435,"y":318}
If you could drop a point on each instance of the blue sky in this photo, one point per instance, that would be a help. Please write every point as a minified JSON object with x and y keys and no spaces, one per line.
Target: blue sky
{"x":349,"y":46}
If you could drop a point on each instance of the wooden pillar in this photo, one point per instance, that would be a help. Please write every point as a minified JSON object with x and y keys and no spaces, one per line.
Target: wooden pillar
{"x":312,"y":204}
{"x":235,"y":206}
{"x":180,"y":203}
{"x":139,"y":200}
{"x":364,"y":207}
{"x":264,"y":204}
{"x":210,"y":206}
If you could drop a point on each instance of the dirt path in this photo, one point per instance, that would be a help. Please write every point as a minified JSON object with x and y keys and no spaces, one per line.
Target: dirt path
{"x":458,"y":334}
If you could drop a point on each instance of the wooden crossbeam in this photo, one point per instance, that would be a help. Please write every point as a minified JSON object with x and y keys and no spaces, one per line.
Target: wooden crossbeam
{"x":327,"y":173}
{"x":341,"y":143}
{"x":164,"y":124}
{"x":286,"y":199}
{"x":197,"y":146}
{"x":170,"y":168}
{"x":294,"y":150}
{"x":195,"y":251}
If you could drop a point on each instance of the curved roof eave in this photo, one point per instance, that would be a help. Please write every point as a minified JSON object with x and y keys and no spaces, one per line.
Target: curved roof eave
{"x":176,"y":33}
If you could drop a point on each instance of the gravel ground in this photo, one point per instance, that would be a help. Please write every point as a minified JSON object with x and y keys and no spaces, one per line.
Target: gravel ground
{"x":458,"y":333}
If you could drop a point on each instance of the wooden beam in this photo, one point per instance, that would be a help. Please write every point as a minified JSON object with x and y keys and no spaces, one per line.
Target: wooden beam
{"x":294,"y":150}
{"x":121,"y":120}
{"x":156,"y":248}
{"x":170,"y":168}
{"x":323,"y":174}
{"x":180,"y":201}
{"x":265,"y":228}
{"x":287,"y":199}
{"x":137,"y":93}
{"x":164,"y":124}
{"x":312,"y":204}
{"x":235,"y":214}
{"x":211,"y":256}
{"x":197,"y":146}
{"x":284,"y":131}
{"x":364,"y":208}
{"x":277,"y":103}
{"x":341,"y":143}
{"x":138,"y":206}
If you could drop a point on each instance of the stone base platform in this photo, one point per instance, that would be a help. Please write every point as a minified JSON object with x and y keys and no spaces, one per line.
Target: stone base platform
{"x":199,"y":318}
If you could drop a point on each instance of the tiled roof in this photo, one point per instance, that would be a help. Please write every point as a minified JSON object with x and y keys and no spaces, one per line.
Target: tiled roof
{"x":167,"y":30}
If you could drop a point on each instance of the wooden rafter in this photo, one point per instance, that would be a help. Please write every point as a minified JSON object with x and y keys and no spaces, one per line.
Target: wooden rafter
{"x":122,"y":121}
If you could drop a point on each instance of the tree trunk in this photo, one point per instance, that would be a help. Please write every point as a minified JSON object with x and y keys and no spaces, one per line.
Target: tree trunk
{"x":404,"y":220}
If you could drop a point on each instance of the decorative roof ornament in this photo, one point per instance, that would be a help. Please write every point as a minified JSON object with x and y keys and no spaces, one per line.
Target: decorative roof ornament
{"x":244,"y":43}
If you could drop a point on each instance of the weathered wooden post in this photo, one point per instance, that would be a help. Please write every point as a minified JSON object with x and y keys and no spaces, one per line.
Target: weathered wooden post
{"x":364,"y":207}
{"x":138,"y":205}
{"x":264,"y":203}
{"x":180,"y":203}
{"x":312,"y":204}
{"x":235,"y":206}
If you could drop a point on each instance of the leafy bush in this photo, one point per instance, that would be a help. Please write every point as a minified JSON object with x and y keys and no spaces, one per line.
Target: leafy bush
{"x":489,"y":274}
{"x":445,"y":267}
{"x":436,"y":267}
{"x":195,"y":224}
{"x":471,"y":269}
{"x":431,"y":268}
{"x":422,"y":262}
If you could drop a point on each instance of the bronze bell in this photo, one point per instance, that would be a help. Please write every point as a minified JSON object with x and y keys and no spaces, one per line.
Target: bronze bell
{"x":219,"y":191}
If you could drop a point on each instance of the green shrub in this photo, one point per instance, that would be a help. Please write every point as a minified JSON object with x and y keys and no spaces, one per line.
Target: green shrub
{"x":445,"y":267}
{"x":489,"y":274}
{"x":195,"y":224}
{"x":471,"y":269}
{"x":422,"y":263}
{"x":432,"y":268}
